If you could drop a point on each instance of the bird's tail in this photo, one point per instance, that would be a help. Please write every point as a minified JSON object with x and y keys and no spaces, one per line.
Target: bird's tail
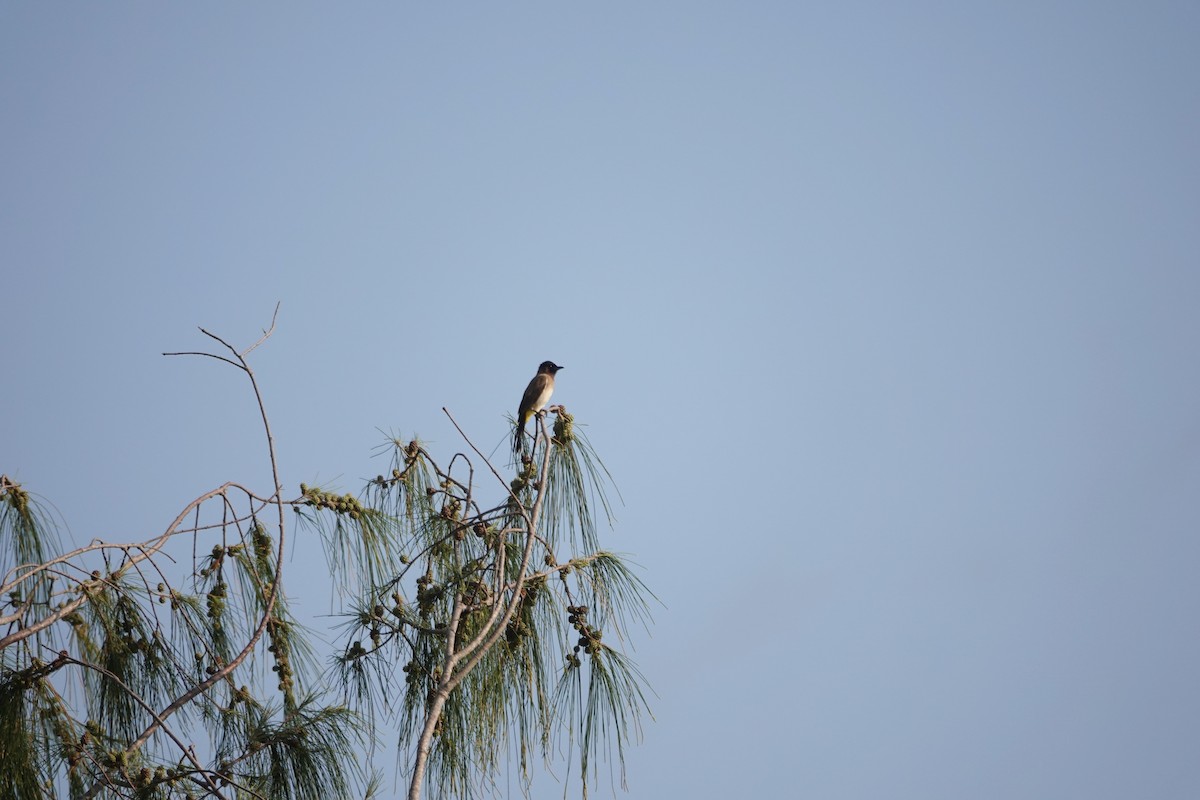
{"x":519,"y":439}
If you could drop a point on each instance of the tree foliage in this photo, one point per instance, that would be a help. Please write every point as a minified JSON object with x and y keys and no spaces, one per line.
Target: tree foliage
{"x":481,"y":617}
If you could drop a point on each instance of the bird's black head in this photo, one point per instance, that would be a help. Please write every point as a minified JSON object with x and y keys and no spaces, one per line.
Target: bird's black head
{"x":549,"y":367}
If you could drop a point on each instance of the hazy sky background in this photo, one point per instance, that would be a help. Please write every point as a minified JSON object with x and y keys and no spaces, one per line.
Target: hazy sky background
{"x":884,"y":316}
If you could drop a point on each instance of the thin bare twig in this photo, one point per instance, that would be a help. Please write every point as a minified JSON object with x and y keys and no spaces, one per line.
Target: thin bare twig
{"x":206,"y":355}
{"x":225,"y":670}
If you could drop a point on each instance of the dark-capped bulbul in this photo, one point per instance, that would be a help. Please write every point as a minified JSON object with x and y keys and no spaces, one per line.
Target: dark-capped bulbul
{"x":537,"y":394}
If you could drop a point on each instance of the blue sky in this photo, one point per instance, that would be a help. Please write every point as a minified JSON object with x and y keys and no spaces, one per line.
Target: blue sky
{"x":883,"y":316}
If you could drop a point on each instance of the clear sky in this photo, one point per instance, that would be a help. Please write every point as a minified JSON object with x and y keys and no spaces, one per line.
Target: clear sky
{"x":884,"y":316}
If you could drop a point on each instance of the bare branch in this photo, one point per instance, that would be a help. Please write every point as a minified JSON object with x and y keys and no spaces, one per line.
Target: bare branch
{"x":266,"y":333}
{"x":207,"y":355}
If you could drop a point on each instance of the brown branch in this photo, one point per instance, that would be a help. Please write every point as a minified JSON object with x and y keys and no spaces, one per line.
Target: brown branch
{"x":147,"y":552}
{"x":227,"y":669}
{"x":206,"y":355}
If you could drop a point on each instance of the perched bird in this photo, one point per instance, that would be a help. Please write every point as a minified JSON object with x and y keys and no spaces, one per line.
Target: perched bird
{"x":537,"y":394}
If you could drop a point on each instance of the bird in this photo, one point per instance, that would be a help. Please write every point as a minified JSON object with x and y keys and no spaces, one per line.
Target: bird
{"x":537,"y":394}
